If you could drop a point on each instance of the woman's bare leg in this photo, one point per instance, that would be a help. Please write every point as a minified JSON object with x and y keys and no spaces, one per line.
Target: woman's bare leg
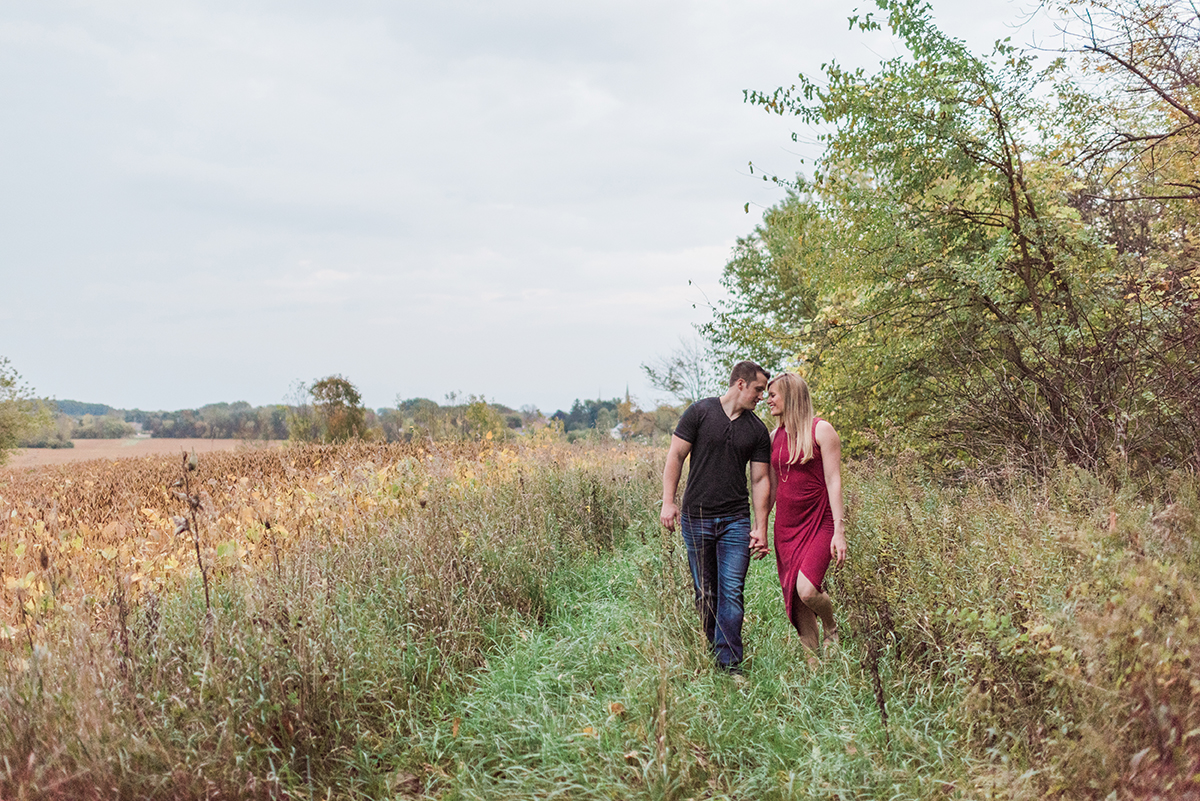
{"x":821,"y":606}
{"x":806,"y":623}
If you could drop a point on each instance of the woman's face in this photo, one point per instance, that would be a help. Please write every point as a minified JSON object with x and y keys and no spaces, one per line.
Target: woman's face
{"x":774,"y":400}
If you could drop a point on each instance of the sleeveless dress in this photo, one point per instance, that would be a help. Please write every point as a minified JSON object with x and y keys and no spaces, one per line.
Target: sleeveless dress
{"x":803,"y":519}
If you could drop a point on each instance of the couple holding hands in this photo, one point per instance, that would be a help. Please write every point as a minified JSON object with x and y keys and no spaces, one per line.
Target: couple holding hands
{"x":796,"y":468}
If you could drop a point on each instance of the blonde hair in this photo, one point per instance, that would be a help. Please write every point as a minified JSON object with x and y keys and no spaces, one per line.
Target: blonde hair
{"x":797,"y":416}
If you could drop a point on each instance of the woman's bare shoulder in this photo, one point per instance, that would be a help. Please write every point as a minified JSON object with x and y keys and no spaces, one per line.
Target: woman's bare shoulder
{"x":826,"y":433}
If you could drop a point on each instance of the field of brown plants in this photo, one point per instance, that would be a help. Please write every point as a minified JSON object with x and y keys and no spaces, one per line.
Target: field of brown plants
{"x":76,"y":534}
{"x":234,"y":624}
{"x":88,"y":449}
{"x":79,"y":535}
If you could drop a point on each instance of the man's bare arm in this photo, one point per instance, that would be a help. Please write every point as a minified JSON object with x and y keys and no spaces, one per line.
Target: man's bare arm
{"x":760,"y":492}
{"x":672,"y":470}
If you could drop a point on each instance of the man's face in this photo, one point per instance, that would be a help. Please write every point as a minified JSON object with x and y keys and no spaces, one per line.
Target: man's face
{"x":749,"y":395}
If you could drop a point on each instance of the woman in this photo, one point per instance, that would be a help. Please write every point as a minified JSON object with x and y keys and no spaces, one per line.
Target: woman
{"x":806,"y":488}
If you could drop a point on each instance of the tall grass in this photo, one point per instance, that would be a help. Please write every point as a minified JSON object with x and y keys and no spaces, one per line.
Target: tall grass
{"x":1058,"y":617}
{"x":514,"y":623}
{"x":313,"y":672}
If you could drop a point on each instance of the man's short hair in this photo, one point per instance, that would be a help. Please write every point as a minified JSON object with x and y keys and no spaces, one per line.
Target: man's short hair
{"x":747,"y":371}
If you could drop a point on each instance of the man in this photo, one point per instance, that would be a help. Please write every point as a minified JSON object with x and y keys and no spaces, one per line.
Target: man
{"x":722,"y":435}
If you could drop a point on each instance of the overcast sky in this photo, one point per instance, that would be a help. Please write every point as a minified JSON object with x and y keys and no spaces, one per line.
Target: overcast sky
{"x":209,"y":201}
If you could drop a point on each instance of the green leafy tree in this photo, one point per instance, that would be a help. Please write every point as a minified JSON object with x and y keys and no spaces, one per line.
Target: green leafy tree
{"x":339,"y":409}
{"x":428,"y":418}
{"x":483,"y":420}
{"x":107,"y":426}
{"x":54,"y":431}
{"x":585,"y":415}
{"x":471,"y":419}
{"x":936,"y":279}
{"x":238,"y":420}
{"x":20,"y":412}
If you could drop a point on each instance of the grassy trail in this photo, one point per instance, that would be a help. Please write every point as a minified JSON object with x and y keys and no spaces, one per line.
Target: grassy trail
{"x":615,"y":698}
{"x":514,"y":623}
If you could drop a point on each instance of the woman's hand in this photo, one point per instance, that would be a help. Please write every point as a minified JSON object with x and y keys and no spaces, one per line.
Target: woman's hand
{"x":837,"y":547}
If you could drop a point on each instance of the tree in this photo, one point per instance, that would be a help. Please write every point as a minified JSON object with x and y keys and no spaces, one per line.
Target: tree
{"x":20,"y":412}
{"x":688,"y":374}
{"x":646,"y":426}
{"x":936,"y":279}
{"x":584,"y":414}
{"x":482,"y":420}
{"x":472,"y":419}
{"x":428,"y":418}
{"x":328,"y":410}
{"x":1143,"y":144}
{"x":339,"y":409}
{"x":54,"y":431}
{"x":107,"y":426}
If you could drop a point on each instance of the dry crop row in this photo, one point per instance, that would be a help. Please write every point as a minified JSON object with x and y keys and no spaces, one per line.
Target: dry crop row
{"x":85,"y":535}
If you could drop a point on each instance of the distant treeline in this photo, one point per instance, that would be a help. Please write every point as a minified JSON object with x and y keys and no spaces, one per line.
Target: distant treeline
{"x":599,"y":414}
{"x":460,"y":417}
{"x":238,"y":420}
{"x":69,"y":420}
{"x":78,"y":409}
{"x":618,"y":418}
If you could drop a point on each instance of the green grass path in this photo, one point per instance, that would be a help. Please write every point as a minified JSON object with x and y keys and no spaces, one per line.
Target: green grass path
{"x":615,"y":698}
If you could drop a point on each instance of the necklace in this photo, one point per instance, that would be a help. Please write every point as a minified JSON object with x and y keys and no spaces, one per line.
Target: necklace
{"x":787,"y":465}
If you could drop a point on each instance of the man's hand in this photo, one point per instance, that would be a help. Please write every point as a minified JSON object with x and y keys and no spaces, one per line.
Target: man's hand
{"x":758,"y":543}
{"x":837,"y":548}
{"x":670,"y":513}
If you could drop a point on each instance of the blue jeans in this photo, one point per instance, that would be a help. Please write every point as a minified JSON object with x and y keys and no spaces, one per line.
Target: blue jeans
{"x":719,"y":555}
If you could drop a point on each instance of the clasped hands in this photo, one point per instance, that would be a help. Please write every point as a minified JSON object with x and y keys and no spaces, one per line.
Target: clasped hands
{"x":758,"y":543}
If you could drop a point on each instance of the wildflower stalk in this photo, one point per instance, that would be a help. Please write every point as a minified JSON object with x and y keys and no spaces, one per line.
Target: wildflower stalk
{"x":189,"y":523}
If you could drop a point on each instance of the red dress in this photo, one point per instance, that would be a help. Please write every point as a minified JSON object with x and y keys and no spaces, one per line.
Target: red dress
{"x":803,"y":519}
